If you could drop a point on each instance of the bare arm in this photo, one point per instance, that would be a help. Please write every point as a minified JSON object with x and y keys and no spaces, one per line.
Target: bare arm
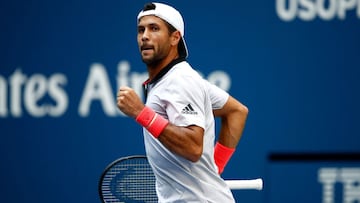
{"x":233,"y":117}
{"x":184,"y":141}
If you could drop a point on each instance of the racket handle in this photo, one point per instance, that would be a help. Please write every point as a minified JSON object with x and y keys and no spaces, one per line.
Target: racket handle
{"x":253,"y":184}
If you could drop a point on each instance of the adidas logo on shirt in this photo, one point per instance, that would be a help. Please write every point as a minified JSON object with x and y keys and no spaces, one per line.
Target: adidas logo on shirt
{"x":188,"y":109}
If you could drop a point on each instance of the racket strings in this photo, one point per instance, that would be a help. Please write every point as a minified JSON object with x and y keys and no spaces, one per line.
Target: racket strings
{"x":131,"y":180}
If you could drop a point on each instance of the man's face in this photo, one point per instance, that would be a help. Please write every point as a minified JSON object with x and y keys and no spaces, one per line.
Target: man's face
{"x":153,"y":39}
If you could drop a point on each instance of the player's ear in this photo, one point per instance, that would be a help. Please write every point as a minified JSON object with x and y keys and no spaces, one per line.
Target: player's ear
{"x":175,"y":37}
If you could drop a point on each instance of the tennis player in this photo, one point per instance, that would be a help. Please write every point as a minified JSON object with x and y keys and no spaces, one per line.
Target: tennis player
{"x":178,"y":116}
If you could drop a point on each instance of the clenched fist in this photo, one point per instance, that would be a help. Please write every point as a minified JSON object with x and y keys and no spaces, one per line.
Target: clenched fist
{"x":129,"y":102}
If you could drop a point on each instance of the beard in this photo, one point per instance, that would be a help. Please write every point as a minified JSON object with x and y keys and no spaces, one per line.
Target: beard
{"x":153,"y":59}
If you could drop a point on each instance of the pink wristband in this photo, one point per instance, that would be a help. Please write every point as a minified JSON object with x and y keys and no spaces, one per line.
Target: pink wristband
{"x":152,"y":121}
{"x":222,"y":155}
{"x":145,"y":116}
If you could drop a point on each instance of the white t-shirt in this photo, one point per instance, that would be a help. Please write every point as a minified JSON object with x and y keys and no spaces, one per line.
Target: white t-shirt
{"x":184,"y":98}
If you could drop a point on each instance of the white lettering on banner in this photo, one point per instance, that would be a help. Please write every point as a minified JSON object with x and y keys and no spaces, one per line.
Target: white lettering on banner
{"x":38,"y":87}
{"x":97,"y":88}
{"x":349,"y":177}
{"x":32,"y":93}
{"x":16,"y":81}
{"x":3,"y":97}
{"x":308,"y":10}
{"x":58,"y":94}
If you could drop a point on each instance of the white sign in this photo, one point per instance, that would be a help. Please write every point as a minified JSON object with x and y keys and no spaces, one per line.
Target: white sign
{"x":348,"y":177}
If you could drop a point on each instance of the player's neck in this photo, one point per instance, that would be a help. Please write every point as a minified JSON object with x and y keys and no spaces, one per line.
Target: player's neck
{"x":154,"y":69}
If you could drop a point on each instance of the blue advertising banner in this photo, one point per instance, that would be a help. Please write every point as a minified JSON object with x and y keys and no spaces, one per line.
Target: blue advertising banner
{"x":293,"y":63}
{"x":312,"y":177}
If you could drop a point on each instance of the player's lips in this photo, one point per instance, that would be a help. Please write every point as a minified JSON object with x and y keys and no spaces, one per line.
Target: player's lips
{"x":146,"y":47}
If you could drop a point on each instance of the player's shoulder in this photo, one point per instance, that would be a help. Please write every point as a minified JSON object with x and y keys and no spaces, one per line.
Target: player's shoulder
{"x":182,"y":76}
{"x":184,"y":70}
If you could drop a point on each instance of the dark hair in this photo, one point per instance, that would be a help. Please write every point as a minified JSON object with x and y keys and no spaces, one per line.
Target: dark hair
{"x":151,"y":6}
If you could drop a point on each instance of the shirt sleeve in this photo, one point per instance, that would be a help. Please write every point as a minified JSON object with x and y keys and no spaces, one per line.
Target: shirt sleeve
{"x":217,"y":95}
{"x":184,"y":100}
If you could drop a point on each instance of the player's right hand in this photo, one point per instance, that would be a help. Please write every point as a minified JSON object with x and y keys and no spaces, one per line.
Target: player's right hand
{"x":129,"y":102}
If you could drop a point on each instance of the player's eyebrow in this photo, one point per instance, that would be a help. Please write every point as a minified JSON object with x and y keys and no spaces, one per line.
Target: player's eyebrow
{"x":148,"y":25}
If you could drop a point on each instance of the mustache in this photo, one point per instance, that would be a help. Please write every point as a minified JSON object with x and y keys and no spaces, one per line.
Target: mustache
{"x":146,"y":46}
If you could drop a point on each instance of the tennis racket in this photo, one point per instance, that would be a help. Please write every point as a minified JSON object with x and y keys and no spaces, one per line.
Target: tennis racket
{"x":131,"y":180}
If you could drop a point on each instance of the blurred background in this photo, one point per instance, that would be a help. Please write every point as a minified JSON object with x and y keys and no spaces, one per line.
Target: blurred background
{"x":293,"y":63}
